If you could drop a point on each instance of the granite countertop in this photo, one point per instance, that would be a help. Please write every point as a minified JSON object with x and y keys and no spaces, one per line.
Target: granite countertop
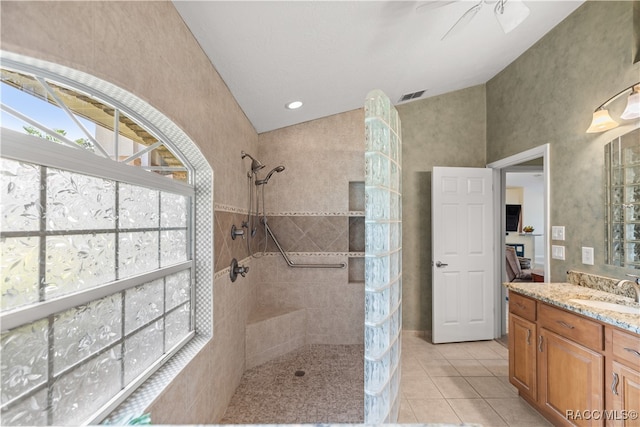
{"x":559,"y":294}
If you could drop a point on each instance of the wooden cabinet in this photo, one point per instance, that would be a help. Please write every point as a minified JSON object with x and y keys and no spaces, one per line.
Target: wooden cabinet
{"x":623,"y":378}
{"x":570,"y":379}
{"x":625,"y":390}
{"x":563,"y":363}
{"x":522,"y":356}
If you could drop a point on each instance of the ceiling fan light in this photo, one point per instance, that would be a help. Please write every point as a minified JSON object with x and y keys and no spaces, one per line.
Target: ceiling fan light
{"x":510,"y":14}
{"x":632,"y":110}
{"x":601,"y":121}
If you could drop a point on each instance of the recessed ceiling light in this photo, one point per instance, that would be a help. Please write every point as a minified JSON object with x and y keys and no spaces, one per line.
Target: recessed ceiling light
{"x":293,"y":105}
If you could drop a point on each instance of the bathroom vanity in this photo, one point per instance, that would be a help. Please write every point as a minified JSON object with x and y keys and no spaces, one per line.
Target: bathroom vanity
{"x":575,"y":361}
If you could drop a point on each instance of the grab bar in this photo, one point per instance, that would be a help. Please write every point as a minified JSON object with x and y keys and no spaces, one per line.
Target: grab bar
{"x":291,"y":263}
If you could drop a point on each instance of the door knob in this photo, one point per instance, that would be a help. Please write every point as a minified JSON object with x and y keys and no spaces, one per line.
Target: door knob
{"x":440,"y":264}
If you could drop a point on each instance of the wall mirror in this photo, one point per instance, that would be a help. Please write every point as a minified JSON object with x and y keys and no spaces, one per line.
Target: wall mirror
{"x":622,"y":197}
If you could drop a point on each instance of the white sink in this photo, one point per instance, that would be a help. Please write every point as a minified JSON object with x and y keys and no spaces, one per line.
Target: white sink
{"x":620,"y":308}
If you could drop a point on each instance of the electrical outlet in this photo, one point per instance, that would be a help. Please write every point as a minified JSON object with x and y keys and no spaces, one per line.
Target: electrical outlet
{"x":557,"y":252}
{"x":557,"y":232}
{"x":587,"y":255}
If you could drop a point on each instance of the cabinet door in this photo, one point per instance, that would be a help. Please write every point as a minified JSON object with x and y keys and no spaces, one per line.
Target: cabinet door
{"x":625,"y":388}
{"x":571,"y":380}
{"x":522,"y":356}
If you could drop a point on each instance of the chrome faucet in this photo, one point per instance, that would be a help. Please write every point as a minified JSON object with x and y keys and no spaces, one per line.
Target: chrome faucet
{"x":634,"y":283}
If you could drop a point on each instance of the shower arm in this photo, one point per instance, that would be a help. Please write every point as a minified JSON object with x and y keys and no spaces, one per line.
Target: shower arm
{"x":291,"y":263}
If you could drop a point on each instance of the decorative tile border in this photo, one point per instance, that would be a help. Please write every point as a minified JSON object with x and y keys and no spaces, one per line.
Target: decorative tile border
{"x":312,"y":254}
{"x":228,"y":208}
{"x":346,"y":213}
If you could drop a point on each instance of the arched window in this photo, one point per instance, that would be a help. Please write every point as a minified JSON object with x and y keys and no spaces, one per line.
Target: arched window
{"x":99,"y":217}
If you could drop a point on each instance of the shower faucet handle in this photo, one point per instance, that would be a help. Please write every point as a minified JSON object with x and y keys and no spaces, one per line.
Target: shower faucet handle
{"x":235,"y":269}
{"x":235,"y":232}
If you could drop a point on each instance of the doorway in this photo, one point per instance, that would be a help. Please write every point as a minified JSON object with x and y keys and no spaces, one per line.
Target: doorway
{"x":537,"y":158}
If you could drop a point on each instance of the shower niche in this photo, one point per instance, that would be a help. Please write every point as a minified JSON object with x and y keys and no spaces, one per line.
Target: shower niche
{"x":356,"y":232}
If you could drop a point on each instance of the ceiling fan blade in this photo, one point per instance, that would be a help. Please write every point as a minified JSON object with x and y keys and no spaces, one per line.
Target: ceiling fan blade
{"x":464,"y":20}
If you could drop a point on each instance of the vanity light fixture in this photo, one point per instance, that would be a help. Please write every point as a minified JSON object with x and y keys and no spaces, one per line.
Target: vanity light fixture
{"x":602,"y":121}
{"x":293,"y":105}
{"x":632,"y":110}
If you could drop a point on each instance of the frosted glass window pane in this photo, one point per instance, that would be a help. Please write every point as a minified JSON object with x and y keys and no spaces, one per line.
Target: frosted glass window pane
{"x":76,"y":201}
{"x":177,"y":326}
{"x":81,"y":392}
{"x":632,"y":154}
{"x":28,"y":412}
{"x":632,"y":175}
{"x":19,"y":267}
{"x":78,"y":262}
{"x":178,"y":288}
{"x":174,"y":210}
{"x":85,"y":329}
{"x":633,"y":194}
{"x":138,"y":253}
{"x":173,"y":245}
{"x":138,"y":207}
{"x":141,"y":350}
{"x":143,"y":304}
{"x":20,"y":196}
{"x":23,"y":356}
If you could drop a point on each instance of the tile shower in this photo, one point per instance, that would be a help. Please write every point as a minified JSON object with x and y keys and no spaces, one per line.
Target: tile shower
{"x":320,"y":223}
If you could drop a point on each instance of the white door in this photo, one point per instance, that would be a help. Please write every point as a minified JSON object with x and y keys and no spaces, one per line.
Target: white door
{"x":463,"y":257}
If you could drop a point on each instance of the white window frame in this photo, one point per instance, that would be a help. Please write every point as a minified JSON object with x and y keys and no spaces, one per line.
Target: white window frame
{"x":22,"y":147}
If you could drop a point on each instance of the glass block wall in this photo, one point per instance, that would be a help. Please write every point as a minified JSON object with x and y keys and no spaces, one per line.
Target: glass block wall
{"x":383,"y":258}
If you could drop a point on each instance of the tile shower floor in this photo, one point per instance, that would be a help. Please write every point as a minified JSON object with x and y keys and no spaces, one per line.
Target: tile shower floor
{"x":330,"y":391}
{"x":444,"y":383}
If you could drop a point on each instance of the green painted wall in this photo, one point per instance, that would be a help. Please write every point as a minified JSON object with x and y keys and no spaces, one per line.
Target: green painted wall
{"x":547,"y":95}
{"x":446,"y":130}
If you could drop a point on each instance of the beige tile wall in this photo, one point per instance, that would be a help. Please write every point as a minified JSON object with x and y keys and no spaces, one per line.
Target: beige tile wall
{"x":273,"y":331}
{"x":308,"y":206}
{"x":145,"y":48}
{"x":225,"y":247}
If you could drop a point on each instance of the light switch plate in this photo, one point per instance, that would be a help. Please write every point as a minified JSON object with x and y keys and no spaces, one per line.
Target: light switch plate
{"x":557,"y":232}
{"x":587,"y":255}
{"x":557,"y":252}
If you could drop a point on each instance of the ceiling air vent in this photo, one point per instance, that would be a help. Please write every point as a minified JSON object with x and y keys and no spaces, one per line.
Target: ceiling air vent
{"x":413,"y":95}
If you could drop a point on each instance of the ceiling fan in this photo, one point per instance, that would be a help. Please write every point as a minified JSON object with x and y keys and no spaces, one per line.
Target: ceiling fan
{"x":509,"y":13}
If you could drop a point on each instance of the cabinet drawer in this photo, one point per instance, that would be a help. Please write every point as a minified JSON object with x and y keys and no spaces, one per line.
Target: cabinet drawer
{"x":626,"y":347}
{"x":572,"y":326}
{"x":522,"y":306}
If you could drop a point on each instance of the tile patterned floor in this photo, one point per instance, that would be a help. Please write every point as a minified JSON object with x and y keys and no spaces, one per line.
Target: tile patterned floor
{"x":330,"y":391}
{"x":461,"y":382}
{"x":444,"y":383}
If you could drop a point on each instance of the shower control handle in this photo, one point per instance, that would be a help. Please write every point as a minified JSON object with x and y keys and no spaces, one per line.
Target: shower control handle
{"x":235,"y":269}
{"x":235,"y":232}
{"x":440,"y":264}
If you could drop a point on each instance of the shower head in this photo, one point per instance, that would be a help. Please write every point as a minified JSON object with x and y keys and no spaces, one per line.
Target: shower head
{"x":266,"y":178}
{"x":255,"y":164}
